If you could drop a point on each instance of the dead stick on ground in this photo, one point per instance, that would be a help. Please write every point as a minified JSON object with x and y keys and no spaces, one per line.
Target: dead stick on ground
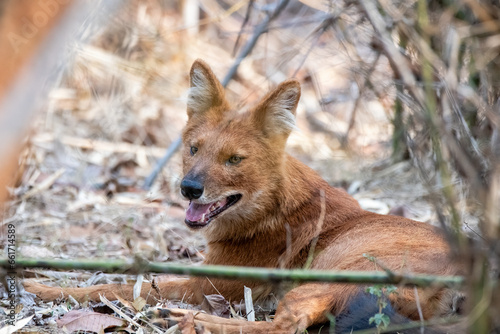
{"x":247,"y":292}
{"x":44,"y":185}
{"x":99,"y":145}
{"x":259,"y":30}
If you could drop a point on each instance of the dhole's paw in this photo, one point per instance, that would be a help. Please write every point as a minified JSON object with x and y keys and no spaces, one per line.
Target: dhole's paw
{"x":184,"y":319}
{"x":161,"y":318}
{"x":43,"y":292}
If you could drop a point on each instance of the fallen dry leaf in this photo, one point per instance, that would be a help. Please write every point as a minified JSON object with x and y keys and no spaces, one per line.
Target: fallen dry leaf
{"x":139,"y":304}
{"x":216,"y":305}
{"x":88,"y":321}
{"x":17,"y":326}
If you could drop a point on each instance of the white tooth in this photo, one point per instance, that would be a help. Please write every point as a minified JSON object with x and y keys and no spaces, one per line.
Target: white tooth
{"x":203,"y":218}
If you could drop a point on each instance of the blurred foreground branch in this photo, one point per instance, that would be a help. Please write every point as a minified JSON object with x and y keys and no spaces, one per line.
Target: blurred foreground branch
{"x":258,"y":274}
{"x":33,"y":39}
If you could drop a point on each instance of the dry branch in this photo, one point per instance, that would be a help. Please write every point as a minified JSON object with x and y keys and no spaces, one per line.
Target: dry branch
{"x":99,"y":145}
{"x":398,"y":63}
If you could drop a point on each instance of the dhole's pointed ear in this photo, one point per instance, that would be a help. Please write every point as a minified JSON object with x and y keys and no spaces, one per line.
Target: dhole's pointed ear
{"x":206,"y":91}
{"x":275,"y":114}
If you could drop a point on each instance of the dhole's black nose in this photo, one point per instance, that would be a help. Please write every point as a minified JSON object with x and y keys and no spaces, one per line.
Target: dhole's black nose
{"x":191,"y":189}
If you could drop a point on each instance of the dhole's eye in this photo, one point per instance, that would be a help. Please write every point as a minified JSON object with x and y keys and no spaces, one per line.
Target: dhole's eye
{"x":234,"y":160}
{"x":193,"y":150}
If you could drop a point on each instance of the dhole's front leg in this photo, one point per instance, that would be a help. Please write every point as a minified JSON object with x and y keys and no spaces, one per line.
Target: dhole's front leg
{"x":302,"y":307}
{"x":175,"y":288}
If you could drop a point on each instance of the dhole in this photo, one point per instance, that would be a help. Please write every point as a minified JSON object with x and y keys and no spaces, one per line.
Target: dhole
{"x":258,"y":206}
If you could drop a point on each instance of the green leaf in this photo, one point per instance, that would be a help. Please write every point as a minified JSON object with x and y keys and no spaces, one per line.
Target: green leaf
{"x":380,"y":320}
{"x":386,"y":320}
{"x":390,"y":289}
{"x":374,"y":290}
{"x":383,"y":303}
{"x":369,"y":257}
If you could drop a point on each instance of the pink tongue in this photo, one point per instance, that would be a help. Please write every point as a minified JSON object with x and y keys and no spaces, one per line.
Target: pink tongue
{"x":196,"y":211}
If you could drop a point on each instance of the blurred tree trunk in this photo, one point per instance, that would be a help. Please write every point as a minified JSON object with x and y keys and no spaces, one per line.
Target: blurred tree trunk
{"x":24,"y":25}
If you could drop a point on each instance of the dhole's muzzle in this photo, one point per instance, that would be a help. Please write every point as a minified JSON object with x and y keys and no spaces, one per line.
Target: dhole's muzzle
{"x":200,"y":214}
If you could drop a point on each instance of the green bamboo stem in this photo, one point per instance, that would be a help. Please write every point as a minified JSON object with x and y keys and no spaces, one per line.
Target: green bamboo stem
{"x":248,"y":273}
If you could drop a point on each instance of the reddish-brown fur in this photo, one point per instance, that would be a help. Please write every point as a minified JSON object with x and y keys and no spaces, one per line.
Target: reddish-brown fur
{"x":282,"y":200}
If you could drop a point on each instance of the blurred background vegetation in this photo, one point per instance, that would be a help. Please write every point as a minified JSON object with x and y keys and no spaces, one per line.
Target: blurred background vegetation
{"x":400,"y":106}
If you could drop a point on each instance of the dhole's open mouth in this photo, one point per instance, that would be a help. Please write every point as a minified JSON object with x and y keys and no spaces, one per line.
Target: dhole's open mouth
{"x":199,"y":215}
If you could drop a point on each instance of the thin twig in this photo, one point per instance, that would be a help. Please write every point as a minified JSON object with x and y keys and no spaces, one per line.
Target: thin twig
{"x":319,"y":226}
{"x":419,"y":308}
{"x":243,"y":25}
{"x":259,"y":30}
{"x":358,"y":99}
{"x":317,"y":33}
{"x":44,"y":185}
{"x":148,"y":182}
{"x":398,"y":62}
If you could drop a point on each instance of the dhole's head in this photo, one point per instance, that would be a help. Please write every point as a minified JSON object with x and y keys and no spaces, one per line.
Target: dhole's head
{"x":233,"y":161}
